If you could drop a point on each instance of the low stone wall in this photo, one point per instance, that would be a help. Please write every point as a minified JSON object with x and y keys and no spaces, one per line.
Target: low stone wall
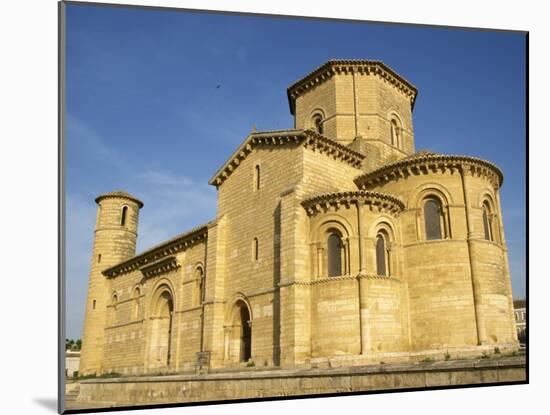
{"x":270,"y":383}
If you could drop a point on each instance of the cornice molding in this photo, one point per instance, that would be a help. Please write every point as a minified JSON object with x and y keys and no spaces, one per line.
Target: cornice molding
{"x":425,"y":163}
{"x":338,"y":66}
{"x":306,"y":138}
{"x":119,"y":194}
{"x":160,"y":267}
{"x":376,"y":200}
{"x":173,"y":246}
{"x":324,"y":280}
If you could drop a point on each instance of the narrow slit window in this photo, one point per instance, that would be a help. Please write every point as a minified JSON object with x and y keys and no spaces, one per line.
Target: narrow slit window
{"x":255,"y":249}
{"x":93,"y":305}
{"x":257,"y":177}
{"x":98,"y":258}
{"x":123,"y":215}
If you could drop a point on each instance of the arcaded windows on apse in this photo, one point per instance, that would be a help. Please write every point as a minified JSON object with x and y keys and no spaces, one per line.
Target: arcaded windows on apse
{"x":435,"y":219}
{"x":382,"y":254}
{"x":335,"y":252}
{"x":489,"y":218}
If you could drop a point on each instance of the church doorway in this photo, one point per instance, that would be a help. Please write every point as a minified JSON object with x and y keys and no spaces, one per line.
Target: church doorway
{"x":238,"y":341}
{"x":160,"y":351}
{"x":246,"y":334}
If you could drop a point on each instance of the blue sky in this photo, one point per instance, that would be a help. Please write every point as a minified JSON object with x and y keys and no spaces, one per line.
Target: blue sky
{"x":144,"y":112}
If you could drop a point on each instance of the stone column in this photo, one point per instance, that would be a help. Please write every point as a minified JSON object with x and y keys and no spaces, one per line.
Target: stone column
{"x":214,"y":304}
{"x":295,"y":340}
{"x":478,"y":303}
{"x":508,"y":281}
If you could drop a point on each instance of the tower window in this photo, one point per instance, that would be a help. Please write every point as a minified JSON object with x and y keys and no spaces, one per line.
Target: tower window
{"x":318,"y":123}
{"x":98,"y":258}
{"x":256,"y":177}
{"x":334,"y":248}
{"x":123,"y":215}
{"x":255,"y":249}
{"x":93,"y":305}
{"x":395,"y":133}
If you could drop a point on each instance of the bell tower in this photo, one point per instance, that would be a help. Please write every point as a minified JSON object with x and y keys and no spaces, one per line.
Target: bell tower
{"x":360,"y":103}
{"x":115,"y":241}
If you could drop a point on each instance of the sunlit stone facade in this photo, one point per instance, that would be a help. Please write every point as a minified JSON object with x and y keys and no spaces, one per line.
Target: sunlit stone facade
{"x":335,"y":243}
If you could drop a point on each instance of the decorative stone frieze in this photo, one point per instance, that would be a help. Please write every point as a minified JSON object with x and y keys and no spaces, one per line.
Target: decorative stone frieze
{"x":363,"y":67}
{"x":336,"y":200}
{"x":307,"y":138}
{"x":341,"y":278}
{"x":160,"y":267}
{"x":424,"y":163}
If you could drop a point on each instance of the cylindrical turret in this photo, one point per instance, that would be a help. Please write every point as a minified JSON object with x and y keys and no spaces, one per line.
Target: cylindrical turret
{"x":114,"y":242}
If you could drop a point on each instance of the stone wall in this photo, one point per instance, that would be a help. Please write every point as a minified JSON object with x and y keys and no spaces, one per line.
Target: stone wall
{"x":258,"y":384}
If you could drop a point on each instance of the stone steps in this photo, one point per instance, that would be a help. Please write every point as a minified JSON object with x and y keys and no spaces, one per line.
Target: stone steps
{"x":72,"y":395}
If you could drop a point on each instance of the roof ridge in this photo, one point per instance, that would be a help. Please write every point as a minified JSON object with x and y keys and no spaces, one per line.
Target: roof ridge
{"x":279,"y":137}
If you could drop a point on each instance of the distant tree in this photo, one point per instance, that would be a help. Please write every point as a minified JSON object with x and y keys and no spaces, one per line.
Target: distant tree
{"x":69,"y":343}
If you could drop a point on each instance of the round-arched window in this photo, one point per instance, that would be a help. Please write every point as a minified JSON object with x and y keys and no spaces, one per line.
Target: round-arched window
{"x":433,"y":219}
{"x":334,"y":251}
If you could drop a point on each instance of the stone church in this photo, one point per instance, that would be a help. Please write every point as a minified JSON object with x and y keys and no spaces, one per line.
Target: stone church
{"x":335,"y":243}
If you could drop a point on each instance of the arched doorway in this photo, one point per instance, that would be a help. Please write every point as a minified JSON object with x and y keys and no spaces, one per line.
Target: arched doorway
{"x":239,"y":333}
{"x":246,"y":334}
{"x":160,"y":349}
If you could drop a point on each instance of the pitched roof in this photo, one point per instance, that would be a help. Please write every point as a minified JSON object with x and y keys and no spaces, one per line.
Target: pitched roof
{"x":308,"y":138}
{"x":333,"y":66}
{"x":119,"y":193}
{"x":171,"y":246}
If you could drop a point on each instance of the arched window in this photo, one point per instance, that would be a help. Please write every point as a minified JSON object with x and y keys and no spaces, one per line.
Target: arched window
{"x":137,"y":294}
{"x":318,"y":123}
{"x":487,"y":222}
{"x":255,"y":249}
{"x":395,"y":133}
{"x":123,"y":215}
{"x":382,"y":255}
{"x":433,"y":219}
{"x":334,"y":255}
{"x":200,"y":287}
{"x":114,"y":302}
{"x":256,"y":177}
